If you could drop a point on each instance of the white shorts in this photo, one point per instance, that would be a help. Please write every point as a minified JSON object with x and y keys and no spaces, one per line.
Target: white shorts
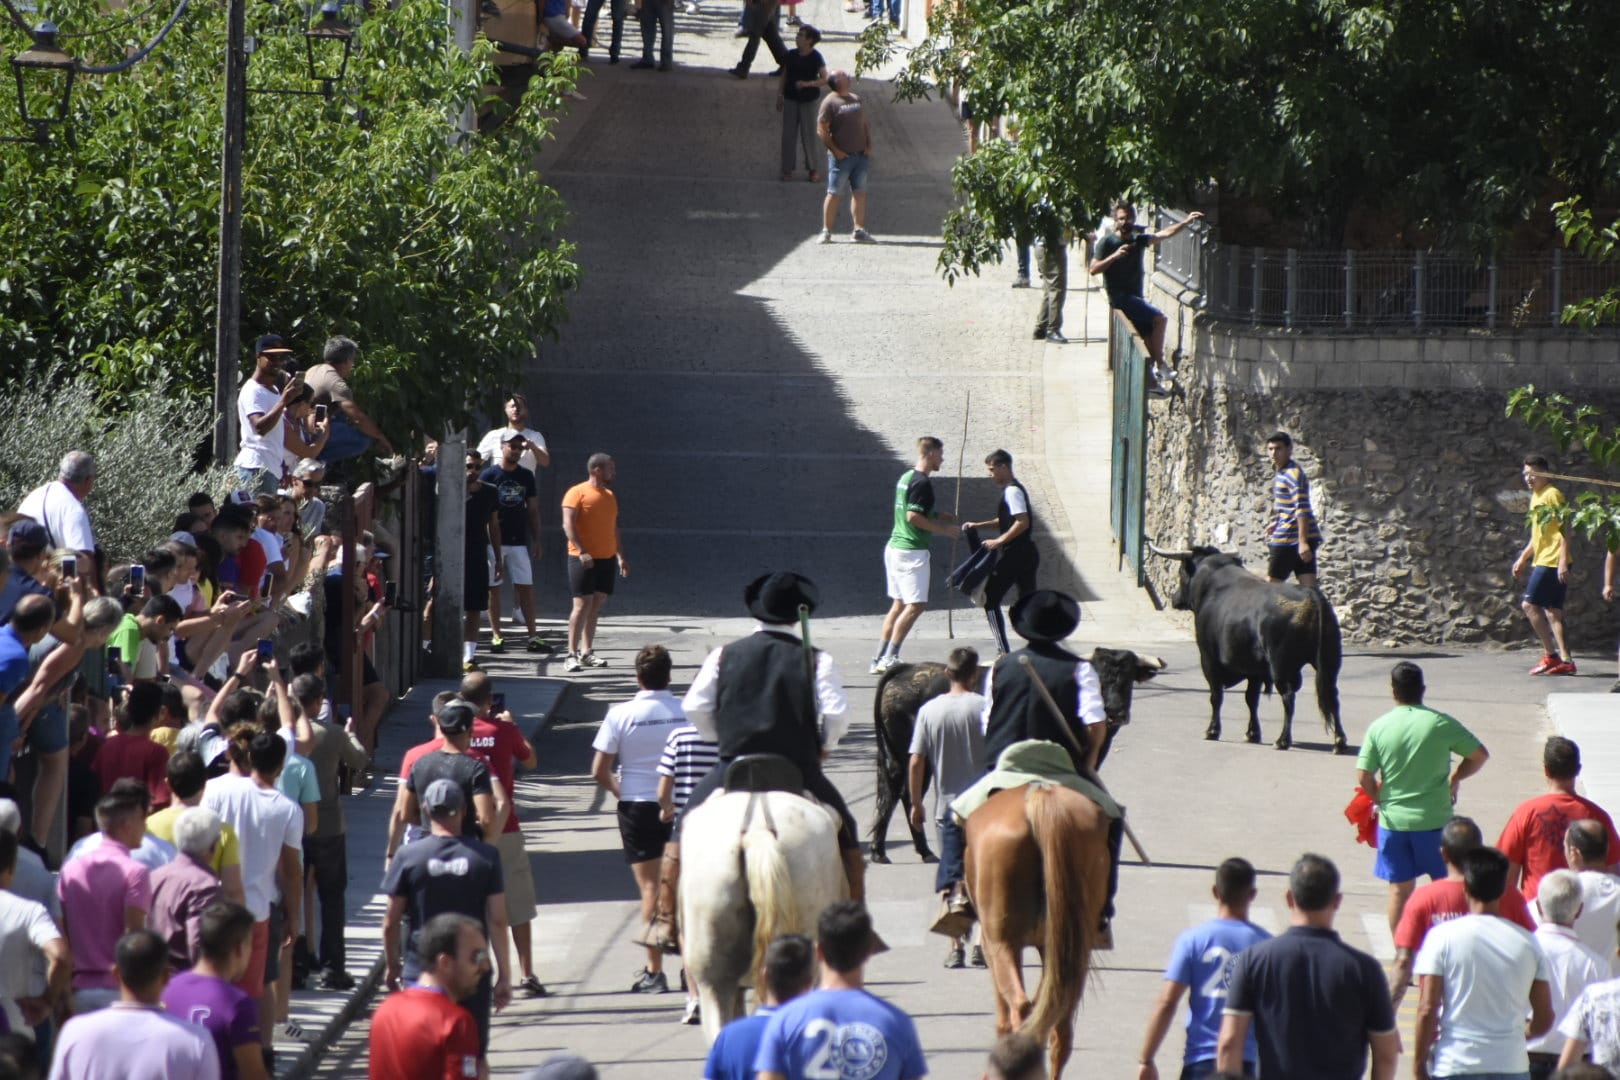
{"x":907,"y":573}
{"x":515,"y":560}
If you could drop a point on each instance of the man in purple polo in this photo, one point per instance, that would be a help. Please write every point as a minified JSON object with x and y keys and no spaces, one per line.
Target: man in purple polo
{"x":205,"y":994}
{"x":183,"y":889}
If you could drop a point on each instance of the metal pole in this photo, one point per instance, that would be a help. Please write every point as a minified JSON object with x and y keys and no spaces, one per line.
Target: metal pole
{"x":1349,"y":288}
{"x":450,"y":555}
{"x":1417,"y":290}
{"x":1557,"y":286}
{"x":228,"y":330}
{"x":961,"y":450}
{"x":1490,"y":304}
{"x":1290,"y":278}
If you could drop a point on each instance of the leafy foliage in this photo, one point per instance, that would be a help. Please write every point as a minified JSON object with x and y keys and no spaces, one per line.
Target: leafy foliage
{"x":1596,"y":243}
{"x":144,"y":454}
{"x":1458,"y":118}
{"x":1571,"y":425}
{"x":361,"y":215}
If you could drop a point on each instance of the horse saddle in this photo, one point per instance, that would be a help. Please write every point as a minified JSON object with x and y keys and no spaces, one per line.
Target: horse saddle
{"x":764,"y":772}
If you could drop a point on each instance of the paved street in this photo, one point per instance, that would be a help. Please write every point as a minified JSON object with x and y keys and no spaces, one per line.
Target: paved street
{"x":761,"y":394}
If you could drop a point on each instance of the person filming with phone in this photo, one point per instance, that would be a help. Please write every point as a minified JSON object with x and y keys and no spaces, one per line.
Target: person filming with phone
{"x":1118,"y":258}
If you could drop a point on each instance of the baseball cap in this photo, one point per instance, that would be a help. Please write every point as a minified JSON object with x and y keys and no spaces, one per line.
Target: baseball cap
{"x":444,"y":797}
{"x":512,"y":436}
{"x":562,"y":1067}
{"x":456,"y":717}
{"x":184,"y":538}
{"x":309,"y":468}
{"x":270,"y":343}
{"x":240,"y":497}
{"x":28,"y":534}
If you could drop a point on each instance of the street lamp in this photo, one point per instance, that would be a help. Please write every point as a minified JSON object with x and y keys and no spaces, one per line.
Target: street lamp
{"x":331,"y":28}
{"x":47,"y":59}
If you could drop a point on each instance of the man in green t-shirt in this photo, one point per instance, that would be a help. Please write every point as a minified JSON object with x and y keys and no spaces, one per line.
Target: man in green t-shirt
{"x":905,"y":558}
{"x":1405,"y":767}
{"x":140,"y":636}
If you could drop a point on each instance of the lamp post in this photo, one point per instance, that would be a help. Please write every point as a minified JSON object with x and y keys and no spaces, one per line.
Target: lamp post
{"x":44,"y":56}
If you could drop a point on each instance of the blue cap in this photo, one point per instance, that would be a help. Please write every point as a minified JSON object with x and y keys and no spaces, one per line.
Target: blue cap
{"x":271,"y":343}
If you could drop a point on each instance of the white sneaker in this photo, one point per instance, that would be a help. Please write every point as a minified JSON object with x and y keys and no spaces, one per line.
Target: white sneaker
{"x":690,"y":1015}
{"x":826,"y":236}
{"x":572,"y":663}
{"x":888,"y":662}
{"x":590,"y":659}
{"x":877,"y":667}
{"x":861,"y":236}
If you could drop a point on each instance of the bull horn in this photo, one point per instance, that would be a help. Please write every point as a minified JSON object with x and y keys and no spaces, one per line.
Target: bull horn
{"x":1154,"y":662}
{"x":1175,"y":556}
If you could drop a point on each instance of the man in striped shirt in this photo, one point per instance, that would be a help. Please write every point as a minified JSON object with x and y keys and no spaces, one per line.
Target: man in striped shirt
{"x":687,"y":758}
{"x":1293,"y":534}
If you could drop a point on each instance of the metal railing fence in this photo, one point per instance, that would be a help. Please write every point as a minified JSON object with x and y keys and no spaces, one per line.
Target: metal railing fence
{"x":1377,"y":290}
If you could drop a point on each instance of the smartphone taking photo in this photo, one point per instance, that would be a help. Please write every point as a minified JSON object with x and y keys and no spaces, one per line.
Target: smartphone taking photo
{"x":70,"y":567}
{"x":497,"y":704}
{"x":320,"y":414}
{"x":267,"y":649}
{"x":137,"y":577}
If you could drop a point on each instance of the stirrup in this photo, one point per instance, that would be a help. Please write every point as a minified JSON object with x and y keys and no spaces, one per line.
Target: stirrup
{"x":659,"y":933}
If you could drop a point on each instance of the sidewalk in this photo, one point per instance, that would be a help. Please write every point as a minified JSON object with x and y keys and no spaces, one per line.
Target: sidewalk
{"x":324,"y":1016}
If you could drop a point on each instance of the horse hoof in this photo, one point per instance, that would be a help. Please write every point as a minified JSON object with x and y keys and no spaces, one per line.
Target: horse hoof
{"x":928,"y":857}
{"x":878,"y":857}
{"x":1212,"y":734}
{"x":1252,"y":738}
{"x":1341,"y":746}
{"x":1284,"y":743}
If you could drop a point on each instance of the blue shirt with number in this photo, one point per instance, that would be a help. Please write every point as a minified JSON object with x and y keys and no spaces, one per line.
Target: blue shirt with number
{"x":841,"y":1035}
{"x":1202,"y":961}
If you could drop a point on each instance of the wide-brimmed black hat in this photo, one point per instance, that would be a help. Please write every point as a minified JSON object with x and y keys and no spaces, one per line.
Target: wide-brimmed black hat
{"x":775,"y":598}
{"x":1045,"y":615}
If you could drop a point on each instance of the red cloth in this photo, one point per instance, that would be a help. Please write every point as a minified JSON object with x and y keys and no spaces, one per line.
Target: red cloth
{"x":421,"y":1034}
{"x":1440,"y":901}
{"x":1534,"y":835}
{"x":132,"y":755}
{"x":416,"y":753}
{"x":501,"y":745}
{"x":1363,"y":814}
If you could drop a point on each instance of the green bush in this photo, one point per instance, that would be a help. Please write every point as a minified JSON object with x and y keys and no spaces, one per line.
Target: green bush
{"x":145,"y":453}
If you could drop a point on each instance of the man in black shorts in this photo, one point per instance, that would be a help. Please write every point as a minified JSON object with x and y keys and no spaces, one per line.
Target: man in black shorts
{"x":590,"y":520}
{"x":635,"y":733}
{"x":1292,"y":535}
{"x":1118,"y":258}
{"x":483,"y":533}
{"x":1017,"y":558}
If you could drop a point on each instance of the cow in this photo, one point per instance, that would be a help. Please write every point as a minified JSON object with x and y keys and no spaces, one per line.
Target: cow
{"x":905,"y":688}
{"x":1264,"y":632}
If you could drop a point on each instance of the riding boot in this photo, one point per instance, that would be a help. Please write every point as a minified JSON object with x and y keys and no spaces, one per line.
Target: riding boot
{"x":855,"y":871}
{"x":662,"y":933}
{"x":1116,"y":836}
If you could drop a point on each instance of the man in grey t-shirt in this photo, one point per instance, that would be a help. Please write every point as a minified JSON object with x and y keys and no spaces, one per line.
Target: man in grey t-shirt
{"x":948,"y":743}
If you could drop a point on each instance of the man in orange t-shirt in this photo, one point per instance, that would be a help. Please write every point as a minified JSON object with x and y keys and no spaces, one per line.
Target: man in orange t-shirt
{"x":421,"y":1032}
{"x":1533,"y":838}
{"x":590,"y":516}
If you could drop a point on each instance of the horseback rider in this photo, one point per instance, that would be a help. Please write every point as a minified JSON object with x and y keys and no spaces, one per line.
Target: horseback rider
{"x":757,"y":696}
{"x":1014,"y":710}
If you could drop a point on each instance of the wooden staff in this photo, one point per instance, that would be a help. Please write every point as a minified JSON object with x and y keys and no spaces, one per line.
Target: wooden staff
{"x":961,"y":451}
{"x":1074,"y":744}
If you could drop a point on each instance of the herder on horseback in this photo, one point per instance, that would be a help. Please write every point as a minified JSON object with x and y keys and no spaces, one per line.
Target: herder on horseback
{"x":1015,"y":712}
{"x":758,"y":696}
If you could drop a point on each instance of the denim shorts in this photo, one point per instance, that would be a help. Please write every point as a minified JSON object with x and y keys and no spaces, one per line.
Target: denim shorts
{"x":850,"y":170}
{"x":1544,"y":589}
{"x":1405,"y":856}
{"x":1141,"y":313}
{"x":48,"y":734}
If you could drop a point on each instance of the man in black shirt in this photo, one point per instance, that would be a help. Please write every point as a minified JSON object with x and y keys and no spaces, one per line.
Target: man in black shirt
{"x":1316,"y":1004}
{"x":1017,"y":558}
{"x":1118,"y":258}
{"x":470,"y":774}
{"x":483,"y":535}
{"x":518,"y":507}
{"x":445,"y":872}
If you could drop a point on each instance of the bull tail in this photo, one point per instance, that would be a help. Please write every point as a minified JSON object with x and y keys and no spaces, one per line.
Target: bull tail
{"x":1329,"y":657}
{"x":1069,"y":927}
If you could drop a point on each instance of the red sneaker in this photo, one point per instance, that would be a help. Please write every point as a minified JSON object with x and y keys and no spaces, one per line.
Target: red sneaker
{"x":1563,"y":667}
{"x":1548,"y":661}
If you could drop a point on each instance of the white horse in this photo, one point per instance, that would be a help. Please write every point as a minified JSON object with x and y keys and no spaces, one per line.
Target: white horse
{"x":757,"y":865}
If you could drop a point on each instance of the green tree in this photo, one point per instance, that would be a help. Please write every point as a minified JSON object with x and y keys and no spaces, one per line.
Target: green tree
{"x":361,"y":215}
{"x":1455,"y":120}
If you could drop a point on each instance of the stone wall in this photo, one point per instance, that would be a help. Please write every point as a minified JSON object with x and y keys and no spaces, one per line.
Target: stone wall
{"x":1413,"y":466}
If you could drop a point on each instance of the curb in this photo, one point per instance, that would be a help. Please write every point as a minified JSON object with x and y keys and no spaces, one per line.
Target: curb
{"x":305,"y":1063}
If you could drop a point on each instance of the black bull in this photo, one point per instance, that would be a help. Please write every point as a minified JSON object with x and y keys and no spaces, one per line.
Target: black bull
{"x":1261,"y":631}
{"x":905,"y":688}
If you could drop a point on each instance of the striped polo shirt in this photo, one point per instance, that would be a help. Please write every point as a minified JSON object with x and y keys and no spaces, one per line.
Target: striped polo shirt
{"x":687,"y":757}
{"x":1290,"y":496}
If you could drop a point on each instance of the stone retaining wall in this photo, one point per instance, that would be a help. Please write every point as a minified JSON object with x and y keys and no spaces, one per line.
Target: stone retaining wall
{"x":1413,"y":466}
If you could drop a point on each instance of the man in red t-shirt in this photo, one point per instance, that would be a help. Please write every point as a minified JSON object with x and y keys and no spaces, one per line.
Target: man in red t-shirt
{"x":402,"y":828}
{"x":1533,"y":838}
{"x":497,"y":739}
{"x":131,"y":752}
{"x":421,"y":1033}
{"x":1443,"y":900}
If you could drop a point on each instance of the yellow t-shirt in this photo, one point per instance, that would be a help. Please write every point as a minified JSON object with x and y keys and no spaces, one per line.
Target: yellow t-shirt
{"x":166,"y":737}
{"x":229,"y":851}
{"x":1544,"y":539}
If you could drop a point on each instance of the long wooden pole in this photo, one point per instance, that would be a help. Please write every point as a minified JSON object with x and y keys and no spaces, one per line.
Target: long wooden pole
{"x":961,"y":452}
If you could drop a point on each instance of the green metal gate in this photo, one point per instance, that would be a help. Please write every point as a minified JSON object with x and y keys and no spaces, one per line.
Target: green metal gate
{"x":1126,"y":498}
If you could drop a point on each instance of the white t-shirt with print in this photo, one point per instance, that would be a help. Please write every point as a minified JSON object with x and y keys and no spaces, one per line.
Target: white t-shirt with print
{"x":637,"y":731}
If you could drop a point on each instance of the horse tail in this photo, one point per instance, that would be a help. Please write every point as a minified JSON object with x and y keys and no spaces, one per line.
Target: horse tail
{"x":1329,"y":657}
{"x":1069,"y":929}
{"x":770,"y":886}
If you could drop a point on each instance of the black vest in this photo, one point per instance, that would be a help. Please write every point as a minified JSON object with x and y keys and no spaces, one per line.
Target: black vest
{"x":764,"y":700}
{"x":1016,"y":709}
{"x":1005,"y":518}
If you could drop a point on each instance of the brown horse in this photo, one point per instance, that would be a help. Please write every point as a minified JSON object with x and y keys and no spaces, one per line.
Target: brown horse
{"x":1037,"y":870}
